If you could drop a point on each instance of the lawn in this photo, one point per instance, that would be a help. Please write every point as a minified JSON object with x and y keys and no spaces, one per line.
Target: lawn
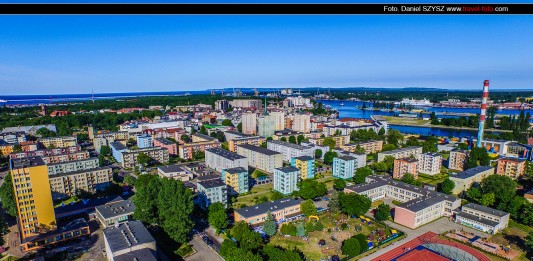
{"x":405,"y":121}
{"x":332,"y":226}
{"x":432,"y":179}
{"x":514,"y":236}
{"x":256,"y":191}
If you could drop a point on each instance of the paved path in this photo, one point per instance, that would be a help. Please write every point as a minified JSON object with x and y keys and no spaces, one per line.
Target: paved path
{"x":203,"y":251}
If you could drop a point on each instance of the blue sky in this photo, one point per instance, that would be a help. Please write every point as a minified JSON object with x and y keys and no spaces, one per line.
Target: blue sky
{"x":76,"y":54}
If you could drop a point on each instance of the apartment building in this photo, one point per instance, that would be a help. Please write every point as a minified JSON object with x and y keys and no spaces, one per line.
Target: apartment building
{"x":52,"y":159}
{"x":522,"y":151}
{"x":306,"y":165}
{"x":249,"y":123}
{"x":219,"y":159}
{"x":246,"y":104}
{"x":171,"y":146}
{"x":212,"y":191}
{"x":344,"y":167}
{"x":290,"y":150}
{"x":279,"y":120}
{"x":13,"y":137}
{"x":511,"y":167}
{"x":266,"y":126}
{"x":482,"y":218}
{"x":419,"y":205}
{"x":129,"y":241}
{"x":91,"y":180}
{"x":430,"y":163}
{"x":157,"y":155}
{"x":236,"y":179}
{"x":464,"y":179}
{"x":105,"y":139}
{"x":231,"y":134}
{"x":401,"y":153}
{"x":280,"y":209}
{"x":301,"y":123}
{"x":45,"y":152}
{"x":70,"y":166}
{"x":252,"y":140}
{"x":360,"y":158}
{"x":199,"y":142}
{"x":59,"y":142}
{"x":340,"y":141}
{"x":458,"y":159}
{"x":371,"y":146}
{"x":405,"y":166}
{"x":286,"y":179}
{"x":222,"y":105}
{"x":144,"y":141}
{"x":174,"y":172}
{"x":116,"y":150}
{"x":261,"y":158}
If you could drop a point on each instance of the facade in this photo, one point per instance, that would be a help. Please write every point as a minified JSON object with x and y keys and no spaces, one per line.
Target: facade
{"x":249,"y":123}
{"x":129,"y":241}
{"x":144,"y":141}
{"x":266,"y":126}
{"x":280,"y":209}
{"x":419,"y":205}
{"x":156,"y":154}
{"x":511,"y":167}
{"x":45,"y":152}
{"x":302,"y":123}
{"x":344,"y":167}
{"x":115,"y":212}
{"x":221,"y":105}
{"x":496,"y":146}
{"x":464,"y":180}
{"x":116,"y":150}
{"x":405,"y":165}
{"x":252,"y":140}
{"x":246,"y":104}
{"x":306,"y":165}
{"x":522,"y":151}
{"x":165,"y":143}
{"x":70,"y":166}
{"x":91,"y":180}
{"x":360,"y":158}
{"x":32,"y":130}
{"x":430,"y":163}
{"x":199,"y":142}
{"x":279,"y":120}
{"x":340,"y":141}
{"x":174,"y":172}
{"x":290,"y":150}
{"x":219,"y":159}
{"x":236,"y":179}
{"x":260,"y":158}
{"x":212,"y":191}
{"x":401,"y":153}
{"x":51,"y":159}
{"x":13,"y":137}
{"x":286,"y":179}
{"x":482,"y":218}
{"x":458,"y":159}
{"x":59,"y":142}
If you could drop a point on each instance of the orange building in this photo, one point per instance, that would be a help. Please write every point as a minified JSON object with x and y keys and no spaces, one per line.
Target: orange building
{"x":403,"y":166}
{"x":511,"y":167}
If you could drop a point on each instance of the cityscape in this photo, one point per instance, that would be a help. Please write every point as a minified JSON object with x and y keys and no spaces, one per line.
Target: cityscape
{"x":258,"y":171}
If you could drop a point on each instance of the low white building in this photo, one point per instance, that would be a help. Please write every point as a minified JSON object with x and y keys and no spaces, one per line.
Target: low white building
{"x":482,"y":218}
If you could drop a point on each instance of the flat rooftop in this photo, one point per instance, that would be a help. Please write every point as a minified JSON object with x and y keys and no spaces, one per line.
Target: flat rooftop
{"x":118,"y":145}
{"x":115,"y":209}
{"x":400,"y":150}
{"x":471,"y":172}
{"x":275,"y":205}
{"x":304,"y":158}
{"x":213,"y":183}
{"x":26,"y":162}
{"x":225,"y":153}
{"x":127,"y":235}
{"x":258,"y":149}
{"x":164,"y":141}
{"x":288,"y":169}
{"x":487,"y":210}
{"x":171,"y":168}
{"x":235,"y":170}
{"x":288,"y":144}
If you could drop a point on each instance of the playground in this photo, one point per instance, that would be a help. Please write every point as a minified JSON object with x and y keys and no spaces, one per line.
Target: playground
{"x":336,"y":228}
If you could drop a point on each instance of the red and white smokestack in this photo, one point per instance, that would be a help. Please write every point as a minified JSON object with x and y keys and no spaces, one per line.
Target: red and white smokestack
{"x":483,"y":113}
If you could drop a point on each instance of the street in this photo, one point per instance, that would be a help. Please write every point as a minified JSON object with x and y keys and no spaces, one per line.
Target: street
{"x":203,"y":251}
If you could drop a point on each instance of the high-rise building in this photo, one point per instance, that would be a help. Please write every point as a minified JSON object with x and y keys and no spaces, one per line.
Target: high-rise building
{"x":279,"y":120}
{"x":236,"y":179}
{"x":290,"y":150}
{"x":249,"y":123}
{"x":403,"y":166}
{"x":457,"y":159}
{"x":221,"y":105}
{"x":266,"y":126}
{"x":430,"y":163}
{"x":302,"y":123}
{"x":286,"y":179}
{"x":306,"y":165}
{"x":344,"y":167}
{"x":511,"y":167}
{"x":144,"y":141}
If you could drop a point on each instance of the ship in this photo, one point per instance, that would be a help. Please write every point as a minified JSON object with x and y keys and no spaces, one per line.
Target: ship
{"x":2,"y":100}
{"x":422,"y":103}
{"x":342,"y":104}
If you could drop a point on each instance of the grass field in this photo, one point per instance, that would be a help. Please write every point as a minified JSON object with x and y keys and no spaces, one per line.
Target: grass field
{"x":256,"y":191}
{"x":514,"y":236}
{"x":432,"y":179}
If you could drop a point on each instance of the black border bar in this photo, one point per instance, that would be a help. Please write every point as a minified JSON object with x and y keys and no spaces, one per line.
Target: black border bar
{"x":265,"y":9}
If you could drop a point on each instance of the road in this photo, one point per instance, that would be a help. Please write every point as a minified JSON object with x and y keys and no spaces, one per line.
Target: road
{"x":203,"y":251}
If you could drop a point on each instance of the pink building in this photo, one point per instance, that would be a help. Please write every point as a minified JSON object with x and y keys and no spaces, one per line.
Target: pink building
{"x":164,"y":143}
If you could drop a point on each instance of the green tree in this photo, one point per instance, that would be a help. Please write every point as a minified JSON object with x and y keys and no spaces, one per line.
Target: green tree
{"x":478,"y":157}
{"x":300,"y":138}
{"x":292,"y":139}
{"x":329,"y":156}
{"x":239,"y":127}
{"x":227,"y":247}
{"x":339,"y":184}
{"x":330,"y":142}
{"x":430,"y":145}
{"x":279,"y":253}
{"x":361,"y":174}
{"x":276,"y":195}
{"x":217,"y":216}
{"x":334,"y":203}
{"x":7,"y":195}
{"x":359,"y":150}
{"x":410,"y":179}
{"x":389,"y":147}
{"x":382,"y":212}
{"x":17,"y":148}
{"x":288,"y":229}
{"x":310,"y":189}
{"x":528,"y":242}
{"x":308,"y":208}
{"x":487,"y":199}
{"x":143,"y":159}
{"x":318,"y":153}
{"x":82,"y":137}
{"x":350,"y":247}
{"x":503,"y":187}
{"x":239,"y":230}
{"x":263,"y":145}
{"x":363,"y":243}
{"x":175,"y":208}
{"x":145,"y":200}
{"x":105,"y":150}
{"x":101,"y":160}
{"x":300,"y":230}
{"x":473,"y":193}
{"x":270,"y":227}
{"x":412,"y":141}
{"x":185,"y":138}
{"x":45,"y":133}
{"x":394,"y":137}
{"x":462,"y":146}
{"x":4,"y":229}
{"x":227,"y":122}
{"x":355,"y":204}
{"x":381,"y":131}
{"x":283,"y":139}
{"x":203,"y":130}
{"x":447,"y":186}
{"x":389,"y":161}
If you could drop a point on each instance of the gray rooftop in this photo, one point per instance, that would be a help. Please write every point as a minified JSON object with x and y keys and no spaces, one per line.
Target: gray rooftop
{"x":235,"y":170}
{"x":268,"y":206}
{"x":512,"y":159}
{"x":471,"y":172}
{"x":432,"y":154}
{"x":79,"y":172}
{"x":288,"y":144}
{"x":304,"y":158}
{"x":258,"y":149}
{"x":346,"y":158}
{"x":225,"y":153}
{"x":487,"y":210}
{"x":143,"y":254}
{"x":164,"y":141}
{"x":115,"y":209}
{"x":118,"y":145}
{"x":171,"y":168}
{"x":288,"y":169}
{"x":205,"y":137}
{"x":213,"y":183}
{"x":401,"y":150}
{"x":26,"y":162}
{"x":478,"y":219}
{"x":411,"y":160}
{"x":127,"y":235}
{"x":208,"y":177}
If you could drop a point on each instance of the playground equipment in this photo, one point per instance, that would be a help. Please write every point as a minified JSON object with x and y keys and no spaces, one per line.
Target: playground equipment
{"x":315,"y":217}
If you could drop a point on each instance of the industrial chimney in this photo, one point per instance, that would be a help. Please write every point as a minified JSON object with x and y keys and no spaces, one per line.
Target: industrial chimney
{"x":483,"y":114}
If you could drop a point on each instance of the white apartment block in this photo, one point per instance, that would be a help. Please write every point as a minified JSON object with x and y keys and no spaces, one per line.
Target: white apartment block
{"x":219,"y":159}
{"x":249,"y":123}
{"x":302,"y":123}
{"x":430,"y":163}
{"x":279,"y":120}
{"x":71,"y":166}
{"x":344,"y":167}
{"x":401,"y":153}
{"x":246,"y":104}
{"x":260,"y":158}
{"x":290,"y":150}
{"x":156,"y":154}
